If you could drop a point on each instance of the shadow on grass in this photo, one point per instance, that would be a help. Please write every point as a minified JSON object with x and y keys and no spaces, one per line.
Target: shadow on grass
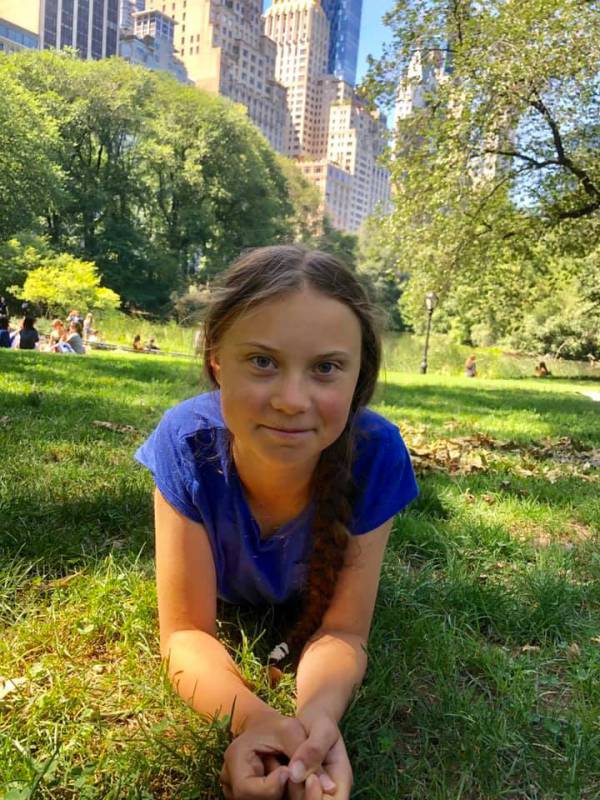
{"x":564,"y":414}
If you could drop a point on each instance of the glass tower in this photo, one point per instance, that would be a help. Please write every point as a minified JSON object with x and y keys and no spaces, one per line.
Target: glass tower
{"x":90,"y":26}
{"x":344,"y":20}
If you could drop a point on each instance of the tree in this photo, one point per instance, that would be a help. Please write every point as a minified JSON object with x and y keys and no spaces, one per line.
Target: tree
{"x":159,"y":180}
{"x":28,"y":176}
{"x":306,"y":221}
{"x":64,"y":282}
{"x":503,"y":155}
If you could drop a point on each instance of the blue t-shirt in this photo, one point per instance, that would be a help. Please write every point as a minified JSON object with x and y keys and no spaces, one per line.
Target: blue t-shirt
{"x":188,"y":455}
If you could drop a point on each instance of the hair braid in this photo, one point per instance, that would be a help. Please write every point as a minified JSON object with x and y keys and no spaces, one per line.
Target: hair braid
{"x":333,"y":492}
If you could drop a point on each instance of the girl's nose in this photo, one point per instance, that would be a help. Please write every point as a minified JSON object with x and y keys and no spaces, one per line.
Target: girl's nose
{"x":291,"y":396}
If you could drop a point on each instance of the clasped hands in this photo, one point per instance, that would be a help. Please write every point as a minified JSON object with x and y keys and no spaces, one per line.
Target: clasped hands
{"x":318,"y":767}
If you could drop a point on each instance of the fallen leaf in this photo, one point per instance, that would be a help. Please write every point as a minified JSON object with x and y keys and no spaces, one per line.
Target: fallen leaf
{"x":530,"y":648}
{"x":114,"y":426}
{"x":489,"y":499}
{"x":573,"y":651}
{"x":9,"y":685}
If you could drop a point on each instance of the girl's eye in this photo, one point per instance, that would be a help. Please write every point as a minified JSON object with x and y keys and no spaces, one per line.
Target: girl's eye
{"x":262,"y":362}
{"x":327,"y":368}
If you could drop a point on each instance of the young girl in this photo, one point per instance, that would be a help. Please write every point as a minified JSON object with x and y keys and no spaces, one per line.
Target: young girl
{"x":279,"y":486}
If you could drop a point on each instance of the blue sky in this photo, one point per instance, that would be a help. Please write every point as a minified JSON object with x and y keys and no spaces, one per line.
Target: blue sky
{"x":373,"y":33}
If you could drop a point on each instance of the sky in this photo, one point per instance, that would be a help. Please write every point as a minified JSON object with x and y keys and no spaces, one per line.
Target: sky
{"x":373,"y":33}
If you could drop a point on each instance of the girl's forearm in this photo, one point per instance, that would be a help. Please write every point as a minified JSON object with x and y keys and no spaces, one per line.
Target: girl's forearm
{"x":205,"y":676}
{"x":331,"y":668}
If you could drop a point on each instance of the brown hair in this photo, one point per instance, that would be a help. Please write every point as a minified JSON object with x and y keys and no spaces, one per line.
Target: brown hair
{"x":263,"y":274}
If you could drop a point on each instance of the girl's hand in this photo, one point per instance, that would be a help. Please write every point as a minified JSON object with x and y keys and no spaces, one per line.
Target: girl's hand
{"x":321,"y":762}
{"x":251,"y":770}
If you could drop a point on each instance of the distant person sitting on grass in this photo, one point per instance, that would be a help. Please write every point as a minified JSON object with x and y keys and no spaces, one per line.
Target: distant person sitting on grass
{"x":256,"y":503}
{"x":137,"y":343}
{"x":27,"y":337}
{"x":542,"y":371}
{"x":57,"y":334}
{"x":75,"y":339}
{"x":151,"y":344}
{"x":73,"y":316}
{"x":4,"y":332}
{"x":471,"y":366}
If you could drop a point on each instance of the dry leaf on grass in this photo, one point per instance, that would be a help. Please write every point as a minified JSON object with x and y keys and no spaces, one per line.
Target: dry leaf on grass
{"x":9,"y":685}
{"x":114,"y":426}
{"x":530,"y":648}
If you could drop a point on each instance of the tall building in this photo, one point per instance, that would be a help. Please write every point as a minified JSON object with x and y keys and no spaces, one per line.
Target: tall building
{"x":89,"y":26}
{"x":14,"y":38}
{"x":335,"y":140}
{"x":344,"y":21}
{"x":147,"y":39}
{"x":426,"y":71}
{"x":224,"y":49}
{"x":126,"y":11}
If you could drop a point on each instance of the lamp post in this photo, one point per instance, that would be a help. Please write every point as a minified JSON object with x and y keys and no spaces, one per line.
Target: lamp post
{"x":431,"y":299}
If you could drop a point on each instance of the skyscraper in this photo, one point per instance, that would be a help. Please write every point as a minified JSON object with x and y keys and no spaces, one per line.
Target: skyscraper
{"x":335,"y":140}
{"x":90,"y":26}
{"x":224,"y":49}
{"x":344,"y":22}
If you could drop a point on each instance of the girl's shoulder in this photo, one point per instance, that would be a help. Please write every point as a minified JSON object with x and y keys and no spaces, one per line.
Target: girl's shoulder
{"x":198,"y":413}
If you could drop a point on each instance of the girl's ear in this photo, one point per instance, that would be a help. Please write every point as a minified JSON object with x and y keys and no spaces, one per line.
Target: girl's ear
{"x":215,"y":367}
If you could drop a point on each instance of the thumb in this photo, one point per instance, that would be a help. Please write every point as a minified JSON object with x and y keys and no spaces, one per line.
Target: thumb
{"x":310,"y":754}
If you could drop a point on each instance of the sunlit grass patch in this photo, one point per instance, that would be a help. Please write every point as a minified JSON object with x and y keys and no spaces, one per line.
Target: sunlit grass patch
{"x":484,"y":677}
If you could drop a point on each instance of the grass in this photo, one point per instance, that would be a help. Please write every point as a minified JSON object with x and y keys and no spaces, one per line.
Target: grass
{"x":484,"y":677}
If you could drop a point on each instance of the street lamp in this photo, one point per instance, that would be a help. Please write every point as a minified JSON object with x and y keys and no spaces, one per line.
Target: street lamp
{"x":431,"y":299}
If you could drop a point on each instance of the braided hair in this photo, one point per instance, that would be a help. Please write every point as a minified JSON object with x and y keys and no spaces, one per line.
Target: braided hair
{"x":264,"y":274}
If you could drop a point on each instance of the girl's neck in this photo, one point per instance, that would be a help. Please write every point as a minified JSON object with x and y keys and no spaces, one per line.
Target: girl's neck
{"x":278,"y":486}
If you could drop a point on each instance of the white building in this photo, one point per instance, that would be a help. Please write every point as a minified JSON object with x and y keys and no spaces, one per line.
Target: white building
{"x":336,"y":141}
{"x":224,"y":49}
{"x":147,"y":39}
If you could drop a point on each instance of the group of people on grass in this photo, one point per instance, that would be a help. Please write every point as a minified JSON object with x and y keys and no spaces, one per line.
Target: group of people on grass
{"x":70,"y":336}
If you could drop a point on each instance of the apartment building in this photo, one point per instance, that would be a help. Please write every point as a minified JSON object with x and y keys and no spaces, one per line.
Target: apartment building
{"x":147,"y":39}
{"x":224,"y":49}
{"x":14,"y":38}
{"x":335,"y":140}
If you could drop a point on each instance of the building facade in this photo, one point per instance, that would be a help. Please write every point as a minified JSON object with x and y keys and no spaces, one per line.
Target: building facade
{"x":344,"y":20}
{"x":127,"y":9}
{"x":147,"y":39}
{"x":335,"y":140}
{"x":89,"y":26}
{"x":224,"y":49}
{"x":14,"y":38}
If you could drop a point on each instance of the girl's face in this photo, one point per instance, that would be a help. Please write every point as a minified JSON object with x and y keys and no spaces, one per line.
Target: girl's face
{"x":287,"y":372}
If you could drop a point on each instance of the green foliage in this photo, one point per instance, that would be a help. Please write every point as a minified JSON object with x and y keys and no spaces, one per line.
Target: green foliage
{"x":65,"y":282}
{"x":28,"y":175}
{"x":340,"y":244}
{"x":157,"y":183}
{"x":377,"y":261}
{"x":306,"y":221}
{"x":18,"y":256}
{"x":497,"y":176}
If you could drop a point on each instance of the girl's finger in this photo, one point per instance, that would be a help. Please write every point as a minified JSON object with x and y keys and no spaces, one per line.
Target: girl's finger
{"x":313,"y":788}
{"x":328,"y":785}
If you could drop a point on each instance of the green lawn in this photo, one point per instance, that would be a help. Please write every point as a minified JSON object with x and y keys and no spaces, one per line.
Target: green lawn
{"x":484,"y":677}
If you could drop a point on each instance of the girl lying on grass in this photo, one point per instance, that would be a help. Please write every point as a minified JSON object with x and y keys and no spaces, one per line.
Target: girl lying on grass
{"x":278,"y":487}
